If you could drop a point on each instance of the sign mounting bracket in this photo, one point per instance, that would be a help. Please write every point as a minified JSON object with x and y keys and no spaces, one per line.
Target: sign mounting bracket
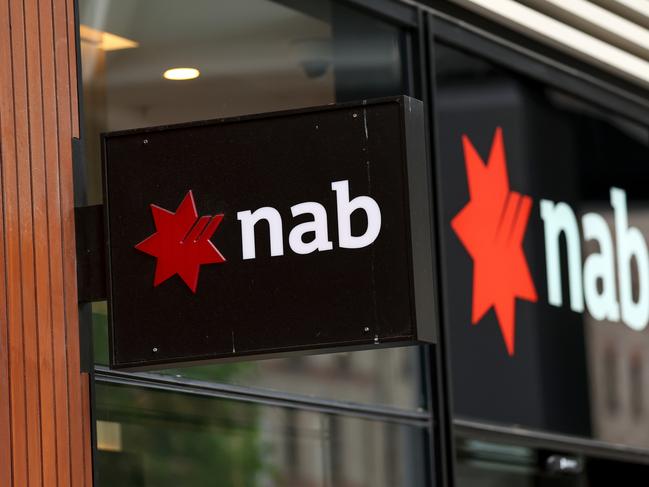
{"x":91,"y":253}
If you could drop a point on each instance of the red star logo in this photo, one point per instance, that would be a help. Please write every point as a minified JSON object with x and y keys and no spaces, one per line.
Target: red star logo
{"x":491,"y":227}
{"x":181,"y":242}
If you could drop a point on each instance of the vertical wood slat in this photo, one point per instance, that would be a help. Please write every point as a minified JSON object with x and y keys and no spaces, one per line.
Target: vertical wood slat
{"x":58,"y":342}
{"x":12,"y":141}
{"x":87,"y":435}
{"x":68,"y":122}
{"x":72,"y":64}
{"x":5,"y":410}
{"x":39,"y":398}
{"x":44,"y":398}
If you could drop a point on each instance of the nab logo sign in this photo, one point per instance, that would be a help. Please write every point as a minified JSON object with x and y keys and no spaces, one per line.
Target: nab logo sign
{"x":492,"y":227}
{"x":304,"y":230}
{"x":182,"y":243}
{"x":318,"y":226}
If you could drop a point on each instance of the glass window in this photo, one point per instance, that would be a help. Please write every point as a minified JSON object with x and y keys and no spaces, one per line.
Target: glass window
{"x":611,"y":381}
{"x":563,"y":357}
{"x":489,"y":464}
{"x":159,"y":438}
{"x":251,"y":56}
{"x":637,"y":385}
{"x":389,"y":377}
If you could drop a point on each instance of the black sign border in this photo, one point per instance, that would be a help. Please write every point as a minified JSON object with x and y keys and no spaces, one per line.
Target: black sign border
{"x":415,"y":162}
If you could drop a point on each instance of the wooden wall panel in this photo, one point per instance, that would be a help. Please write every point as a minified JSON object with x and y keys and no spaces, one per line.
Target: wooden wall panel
{"x":44,"y":398}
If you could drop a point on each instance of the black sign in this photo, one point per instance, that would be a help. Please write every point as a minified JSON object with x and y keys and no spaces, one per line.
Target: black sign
{"x":274,"y":233}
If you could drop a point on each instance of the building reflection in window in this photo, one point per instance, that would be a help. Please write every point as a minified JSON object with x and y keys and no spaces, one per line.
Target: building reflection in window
{"x":171,"y":439}
{"x":636,"y":389}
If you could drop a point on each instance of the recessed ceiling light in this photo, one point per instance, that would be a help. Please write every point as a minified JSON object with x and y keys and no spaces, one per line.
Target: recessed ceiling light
{"x":180,"y":74}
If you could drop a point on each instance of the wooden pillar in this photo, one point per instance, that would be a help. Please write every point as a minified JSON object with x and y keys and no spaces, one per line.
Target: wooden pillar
{"x":44,"y":397}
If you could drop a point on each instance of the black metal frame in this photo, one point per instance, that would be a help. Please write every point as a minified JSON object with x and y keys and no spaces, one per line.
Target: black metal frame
{"x":441,"y":381}
{"x":549,"y":441}
{"x":395,"y":12}
{"x":256,"y":395}
{"x":80,"y":199}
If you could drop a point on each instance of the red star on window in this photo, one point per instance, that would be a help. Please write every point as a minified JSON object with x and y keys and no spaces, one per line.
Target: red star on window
{"x":491,"y":227}
{"x":181,"y":242}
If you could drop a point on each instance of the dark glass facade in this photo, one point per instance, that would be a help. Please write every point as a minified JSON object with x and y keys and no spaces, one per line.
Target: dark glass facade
{"x":541,"y":383}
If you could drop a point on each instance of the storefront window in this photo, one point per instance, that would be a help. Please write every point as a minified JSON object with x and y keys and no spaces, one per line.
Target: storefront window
{"x":167,"y":439}
{"x":252,"y":56}
{"x":565,"y":360}
{"x":389,"y":377}
{"x":245,"y":57}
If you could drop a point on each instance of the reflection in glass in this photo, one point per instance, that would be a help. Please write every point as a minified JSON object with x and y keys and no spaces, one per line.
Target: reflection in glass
{"x":153,"y":438}
{"x":576,"y":369}
{"x":611,"y":381}
{"x":389,"y":376}
{"x":486,"y":464}
{"x":617,"y":388}
{"x":636,"y":375}
{"x":253,"y":56}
